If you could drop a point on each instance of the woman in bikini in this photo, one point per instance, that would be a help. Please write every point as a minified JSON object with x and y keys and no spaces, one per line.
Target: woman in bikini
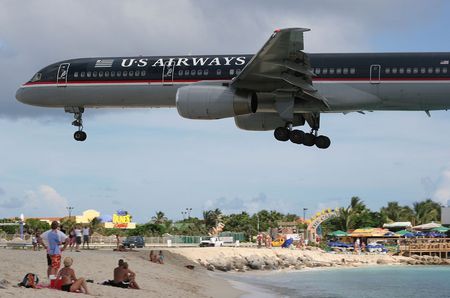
{"x":70,"y":283}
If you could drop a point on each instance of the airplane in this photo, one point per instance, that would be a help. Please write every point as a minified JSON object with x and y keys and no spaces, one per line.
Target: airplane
{"x":278,"y":88}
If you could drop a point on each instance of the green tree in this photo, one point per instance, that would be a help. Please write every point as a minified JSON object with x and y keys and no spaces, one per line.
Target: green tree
{"x":159,"y":218}
{"x":211,"y":218}
{"x":426,"y":211}
{"x":33,"y":225}
{"x":394,"y":212}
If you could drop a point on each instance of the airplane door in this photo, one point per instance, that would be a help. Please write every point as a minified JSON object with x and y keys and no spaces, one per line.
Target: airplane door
{"x":375,"y":73}
{"x":167,"y":74}
{"x":61,"y":78}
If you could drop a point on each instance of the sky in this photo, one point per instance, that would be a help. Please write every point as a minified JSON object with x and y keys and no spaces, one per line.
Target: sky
{"x":147,"y":160}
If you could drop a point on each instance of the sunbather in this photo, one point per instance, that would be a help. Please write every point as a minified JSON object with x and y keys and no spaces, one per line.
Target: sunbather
{"x":70,"y":283}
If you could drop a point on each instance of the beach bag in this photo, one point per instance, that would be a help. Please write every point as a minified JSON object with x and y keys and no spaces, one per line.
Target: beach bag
{"x":29,"y":281}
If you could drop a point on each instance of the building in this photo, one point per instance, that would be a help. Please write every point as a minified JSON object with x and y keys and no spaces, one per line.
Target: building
{"x":445,"y":215}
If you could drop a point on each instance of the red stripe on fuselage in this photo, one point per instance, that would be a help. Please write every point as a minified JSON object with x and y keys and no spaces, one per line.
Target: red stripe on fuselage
{"x":194,"y":81}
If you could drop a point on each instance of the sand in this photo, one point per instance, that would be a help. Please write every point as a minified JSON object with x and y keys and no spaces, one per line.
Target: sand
{"x":169,"y":280}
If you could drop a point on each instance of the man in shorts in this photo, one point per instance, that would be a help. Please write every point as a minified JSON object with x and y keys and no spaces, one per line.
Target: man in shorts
{"x":52,"y":240}
{"x":86,"y":235}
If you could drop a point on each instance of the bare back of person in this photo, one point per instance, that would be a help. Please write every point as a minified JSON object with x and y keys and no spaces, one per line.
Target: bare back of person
{"x":67,"y":275}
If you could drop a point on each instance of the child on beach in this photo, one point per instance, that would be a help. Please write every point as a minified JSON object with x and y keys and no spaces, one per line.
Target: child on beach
{"x":70,"y":283}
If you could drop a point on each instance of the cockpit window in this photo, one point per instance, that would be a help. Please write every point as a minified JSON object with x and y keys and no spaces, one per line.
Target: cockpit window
{"x":37,"y":77}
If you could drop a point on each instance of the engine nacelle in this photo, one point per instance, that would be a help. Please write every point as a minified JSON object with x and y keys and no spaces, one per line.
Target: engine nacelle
{"x":214,"y":102}
{"x":265,"y":121}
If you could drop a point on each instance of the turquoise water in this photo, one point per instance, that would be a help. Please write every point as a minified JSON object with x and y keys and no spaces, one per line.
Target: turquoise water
{"x":366,"y":282}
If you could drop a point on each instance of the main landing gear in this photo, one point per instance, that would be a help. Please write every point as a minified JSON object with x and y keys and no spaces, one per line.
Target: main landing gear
{"x":296,"y":136}
{"x":77,"y":112}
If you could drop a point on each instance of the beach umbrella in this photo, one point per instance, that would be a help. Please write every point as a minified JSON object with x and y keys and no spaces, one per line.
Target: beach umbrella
{"x":338,"y":233}
{"x":408,"y":235}
{"x":402,"y":232}
{"x":419,"y":234}
{"x":440,"y":229}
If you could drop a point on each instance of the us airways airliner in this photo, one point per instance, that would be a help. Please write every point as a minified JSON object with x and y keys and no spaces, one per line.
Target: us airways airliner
{"x":278,"y":88}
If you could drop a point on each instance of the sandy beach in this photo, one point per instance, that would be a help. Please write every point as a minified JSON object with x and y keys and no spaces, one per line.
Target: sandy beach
{"x":169,"y":280}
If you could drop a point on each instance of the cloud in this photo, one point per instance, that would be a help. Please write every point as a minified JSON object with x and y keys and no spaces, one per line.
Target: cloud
{"x":12,"y":203}
{"x":2,"y":191}
{"x":442,"y":192}
{"x":46,"y":200}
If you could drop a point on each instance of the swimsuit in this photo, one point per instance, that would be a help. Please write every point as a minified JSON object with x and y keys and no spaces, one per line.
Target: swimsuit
{"x":66,"y":287}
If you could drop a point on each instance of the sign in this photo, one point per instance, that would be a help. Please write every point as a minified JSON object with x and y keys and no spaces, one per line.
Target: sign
{"x":121,"y":219}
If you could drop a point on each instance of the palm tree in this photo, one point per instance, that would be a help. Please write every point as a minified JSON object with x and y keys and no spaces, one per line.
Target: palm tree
{"x":426,"y":211}
{"x":159,"y":218}
{"x":394,"y":212}
{"x":212,"y":218}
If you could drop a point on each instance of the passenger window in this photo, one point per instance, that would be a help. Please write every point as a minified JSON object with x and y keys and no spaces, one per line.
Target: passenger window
{"x":387,"y":70}
{"x":113,"y":73}
{"x":317,"y":72}
{"x":338,"y":70}
{"x":180,"y":72}
{"x":238,"y":71}
{"x":143,"y":73}
{"x":444,"y":70}
{"x":219,"y":72}
{"x":119,"y":73}
{"x":88,"y":74}
{"x":107,"y":74}
{"x":100,"y":74}
{"x":430,"y":69}
{"x":193,"y":72}
{"x":394,"y":70}
{"x":401,"y":70}
{"x":94,"y":74}
{"x":124,"y":73}
{"x":205,"y":72}
{"x":199,"y":72}
{"x":409,"y":70}
{"x":75,"y":74}
{"x":423,"y":70}
{"x":130,"y":73}
{"x":186,"y":72}
{"x":415,"y":70}
{"x":137,"y":73}
{"x":325,"y":71}
{"x":437,"y":70}
{"x":331,"y":71}
{"x":231,"y":72}
{"x":345,"y":71}
{"x":82,"y":74}
{"x":352,"y":70}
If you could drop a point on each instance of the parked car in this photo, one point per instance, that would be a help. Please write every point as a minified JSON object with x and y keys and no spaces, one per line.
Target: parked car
{"x":134,"y":241}
{"x":210,"y":242}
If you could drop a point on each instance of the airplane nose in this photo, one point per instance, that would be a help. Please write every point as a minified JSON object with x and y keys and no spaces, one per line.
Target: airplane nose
{"x":20,"y":95}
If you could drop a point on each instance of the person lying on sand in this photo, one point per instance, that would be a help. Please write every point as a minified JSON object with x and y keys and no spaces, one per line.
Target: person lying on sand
{"x":70,"y":283}
{"x":124,"y":277}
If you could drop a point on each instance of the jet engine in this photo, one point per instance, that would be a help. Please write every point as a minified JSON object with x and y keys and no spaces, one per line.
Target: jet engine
{"x":214,"y":102}
{"x":265,"y":121}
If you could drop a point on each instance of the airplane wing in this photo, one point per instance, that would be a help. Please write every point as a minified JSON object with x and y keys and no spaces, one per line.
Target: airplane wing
{"x":281,"y":66}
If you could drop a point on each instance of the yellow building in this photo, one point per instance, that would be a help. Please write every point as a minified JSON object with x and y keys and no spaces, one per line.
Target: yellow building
{"x":87,"y":216}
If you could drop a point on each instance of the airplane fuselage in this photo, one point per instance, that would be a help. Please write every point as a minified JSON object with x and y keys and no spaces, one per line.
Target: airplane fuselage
{"x":350,"y":82}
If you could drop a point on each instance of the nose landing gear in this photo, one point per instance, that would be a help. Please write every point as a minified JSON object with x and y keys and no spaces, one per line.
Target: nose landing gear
{"x":77,"y":112}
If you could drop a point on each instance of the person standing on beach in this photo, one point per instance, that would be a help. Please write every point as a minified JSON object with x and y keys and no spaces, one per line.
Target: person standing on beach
{"x":77,"y":232}
{"x":51,"y":240}
{"x":86,"y":234}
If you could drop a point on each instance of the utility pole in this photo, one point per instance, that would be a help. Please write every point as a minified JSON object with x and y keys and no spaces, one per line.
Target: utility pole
{"x":70,"y":208}
{"x":304,"y":214}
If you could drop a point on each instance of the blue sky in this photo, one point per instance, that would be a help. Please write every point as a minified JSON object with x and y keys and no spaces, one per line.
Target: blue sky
{"x":146,"y":160}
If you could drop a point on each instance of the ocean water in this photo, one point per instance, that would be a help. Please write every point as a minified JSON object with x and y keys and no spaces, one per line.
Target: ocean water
{"x":363,"y":282}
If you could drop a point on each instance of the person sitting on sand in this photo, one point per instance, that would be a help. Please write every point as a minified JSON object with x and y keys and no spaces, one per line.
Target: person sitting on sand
{"x":124,"y":277}
{"x":70,"y":283}
{"x":160,"y":257}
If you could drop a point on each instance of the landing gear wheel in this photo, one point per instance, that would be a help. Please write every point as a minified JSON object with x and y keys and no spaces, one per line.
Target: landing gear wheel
{"x":309,"y":139}
{"x":281,"y":134}
{"x":323,"y":142}
{"x":80,"y":136}
{"x":297,"y":136}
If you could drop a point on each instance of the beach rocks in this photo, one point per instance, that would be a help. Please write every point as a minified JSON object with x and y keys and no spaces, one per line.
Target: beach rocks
{"x":383,"y":262}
